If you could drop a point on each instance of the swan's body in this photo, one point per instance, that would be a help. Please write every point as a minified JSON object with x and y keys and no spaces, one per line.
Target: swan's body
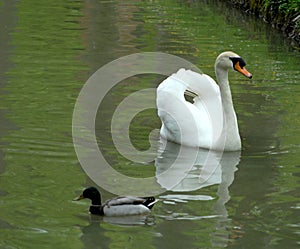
{"x":119,"y":206}
{"x":210,"y":122}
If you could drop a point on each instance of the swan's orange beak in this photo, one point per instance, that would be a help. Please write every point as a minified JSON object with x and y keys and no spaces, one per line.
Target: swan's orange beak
{"x":243,"y":70}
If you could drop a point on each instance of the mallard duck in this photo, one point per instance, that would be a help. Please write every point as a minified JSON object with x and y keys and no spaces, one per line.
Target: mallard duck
{"x":118,"y":206}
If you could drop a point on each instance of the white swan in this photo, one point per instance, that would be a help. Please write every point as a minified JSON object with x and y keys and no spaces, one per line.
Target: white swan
{"x":210,"y":121}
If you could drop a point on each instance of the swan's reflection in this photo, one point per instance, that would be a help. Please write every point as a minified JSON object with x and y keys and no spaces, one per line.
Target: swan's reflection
{"x":190,"y":169}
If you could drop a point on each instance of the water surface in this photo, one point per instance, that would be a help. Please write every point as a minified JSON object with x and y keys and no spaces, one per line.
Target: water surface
{"x":48,"y":51}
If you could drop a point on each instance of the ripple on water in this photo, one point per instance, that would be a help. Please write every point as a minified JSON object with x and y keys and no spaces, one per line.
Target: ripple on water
{"x":173,"y":198}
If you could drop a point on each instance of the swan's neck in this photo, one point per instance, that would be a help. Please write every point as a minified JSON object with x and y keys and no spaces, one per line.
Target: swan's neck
{"x":222,"y":79}
{"x":230,"y":121}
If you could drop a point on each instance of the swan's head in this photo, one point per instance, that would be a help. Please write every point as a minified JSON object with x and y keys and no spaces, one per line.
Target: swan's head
{"x":229,"y":60}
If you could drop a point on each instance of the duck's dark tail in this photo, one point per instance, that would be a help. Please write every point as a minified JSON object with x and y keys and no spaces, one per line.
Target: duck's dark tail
{"x":149,"y":202}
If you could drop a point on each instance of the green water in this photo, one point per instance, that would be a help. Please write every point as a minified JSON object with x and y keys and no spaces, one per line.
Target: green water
{"x":48,"y":50}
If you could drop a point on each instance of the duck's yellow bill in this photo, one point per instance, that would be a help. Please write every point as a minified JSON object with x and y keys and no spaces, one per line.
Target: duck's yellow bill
{"x":78,"y":198}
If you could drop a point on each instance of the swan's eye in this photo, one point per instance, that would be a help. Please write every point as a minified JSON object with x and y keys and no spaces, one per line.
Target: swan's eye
{"x":235,"y":60}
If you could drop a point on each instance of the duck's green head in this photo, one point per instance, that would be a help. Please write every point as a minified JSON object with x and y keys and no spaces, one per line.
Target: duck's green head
{"x":90,"y":193}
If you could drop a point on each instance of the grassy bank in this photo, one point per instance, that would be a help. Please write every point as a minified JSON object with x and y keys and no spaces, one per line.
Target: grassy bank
{"x":281,"y":14}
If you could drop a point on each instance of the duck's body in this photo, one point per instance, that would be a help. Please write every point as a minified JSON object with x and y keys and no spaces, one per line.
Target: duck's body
{"x":210,"y":121}
{"x":119,"y":206}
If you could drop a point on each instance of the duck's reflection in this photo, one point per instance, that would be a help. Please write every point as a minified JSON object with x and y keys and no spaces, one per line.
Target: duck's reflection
{"x":132,"y":220}
{"x":100,"y":233}
{"x":185,"y":169}
{"x":93,"y":236}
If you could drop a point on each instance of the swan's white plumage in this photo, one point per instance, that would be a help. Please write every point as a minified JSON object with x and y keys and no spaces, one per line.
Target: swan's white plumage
{"x":210,"y":121}
{"x":198,"y":128}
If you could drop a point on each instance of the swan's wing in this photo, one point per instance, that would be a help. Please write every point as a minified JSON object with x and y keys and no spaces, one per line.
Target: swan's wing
{"x":208,"y":101}
{"x":177,"y":114}
{"x":194,"y":84}
{"x":201,"y":84}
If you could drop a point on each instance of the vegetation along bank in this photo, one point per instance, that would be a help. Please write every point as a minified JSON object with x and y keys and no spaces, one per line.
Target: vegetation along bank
{"x":281,"y":14}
